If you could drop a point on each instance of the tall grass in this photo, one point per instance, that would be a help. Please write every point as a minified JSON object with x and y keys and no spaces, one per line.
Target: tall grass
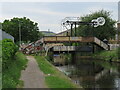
{"x":11,"y":75}
{"x":54,"y":78}
{"x":0,"y":64}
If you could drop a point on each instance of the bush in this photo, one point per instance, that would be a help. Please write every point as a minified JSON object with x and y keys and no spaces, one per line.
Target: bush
{"x":8,"y":51}
{"x":119,"y":53}
{"x":10,"y":76}
{"x":12,"y":64}
{"x":108,"y":55}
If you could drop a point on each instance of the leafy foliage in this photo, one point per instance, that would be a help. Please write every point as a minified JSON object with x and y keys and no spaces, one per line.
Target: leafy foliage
{"x":0,"y":64}
{"x":12,"y":64}
{"x":0,"y":25}
{"x":28,"y":28}
{"x":107,"y":55}
{"x":106,"y":31}
{"x":8,"y":51}
{"x":10,"y":76}
{"x":119,"y":53}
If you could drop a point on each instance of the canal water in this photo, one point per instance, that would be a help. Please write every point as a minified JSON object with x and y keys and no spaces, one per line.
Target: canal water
{"x":93,"y":74}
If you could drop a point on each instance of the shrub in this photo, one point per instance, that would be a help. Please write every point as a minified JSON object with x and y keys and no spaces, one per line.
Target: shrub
{"x":8,"y":51}
{"x":11,"y":76}
{"x":119,"y":53}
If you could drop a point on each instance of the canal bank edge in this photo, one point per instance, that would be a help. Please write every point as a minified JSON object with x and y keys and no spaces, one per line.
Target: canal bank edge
{"x":53,"y":77}
{"x":111,"y":56}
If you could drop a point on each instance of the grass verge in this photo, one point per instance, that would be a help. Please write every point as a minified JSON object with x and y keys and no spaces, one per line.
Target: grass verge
{"x":11,"y":75}
{"x":54,"y":78}
{"x":0,"y":65}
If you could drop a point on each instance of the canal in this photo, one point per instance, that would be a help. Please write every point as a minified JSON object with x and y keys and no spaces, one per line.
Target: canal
{"x":94,"y":74}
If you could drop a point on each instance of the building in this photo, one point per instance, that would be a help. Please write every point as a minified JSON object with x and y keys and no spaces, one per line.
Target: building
{"x":4,"y":35}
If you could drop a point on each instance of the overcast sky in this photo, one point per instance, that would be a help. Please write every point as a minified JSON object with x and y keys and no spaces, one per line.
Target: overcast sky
{"x":49,"y":14}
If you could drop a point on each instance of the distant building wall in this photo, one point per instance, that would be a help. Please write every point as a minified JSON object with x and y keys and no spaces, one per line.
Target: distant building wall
{"x":4,"y":35}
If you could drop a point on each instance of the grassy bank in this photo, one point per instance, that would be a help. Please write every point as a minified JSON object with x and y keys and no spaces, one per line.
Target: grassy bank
{"x":11,"y":75}
{"x":0,"y":65}
{"x":108,"y":55}
{"x":54,"y":78}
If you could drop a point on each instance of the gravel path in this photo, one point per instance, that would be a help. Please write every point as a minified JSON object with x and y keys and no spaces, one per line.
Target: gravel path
{"x":32,"y":76}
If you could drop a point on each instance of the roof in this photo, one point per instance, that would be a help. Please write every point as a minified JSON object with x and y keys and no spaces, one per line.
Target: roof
{"x":4,"y":35}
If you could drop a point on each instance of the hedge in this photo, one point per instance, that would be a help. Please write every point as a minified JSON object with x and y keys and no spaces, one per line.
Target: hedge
{"x":8,"y":51}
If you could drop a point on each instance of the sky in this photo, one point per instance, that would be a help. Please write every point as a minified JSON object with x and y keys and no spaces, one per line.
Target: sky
{"x":49,"y":15}
{"x":119,"y":11}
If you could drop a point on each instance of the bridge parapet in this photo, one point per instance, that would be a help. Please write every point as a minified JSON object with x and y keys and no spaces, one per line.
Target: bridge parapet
{"x":52,"y":39}
{"x":101,"y":43}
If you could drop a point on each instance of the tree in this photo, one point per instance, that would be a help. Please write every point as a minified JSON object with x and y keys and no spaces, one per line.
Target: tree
{"x":107,"y":31}
{"x":40,"y":35}
{"x":29,"y":29}
{"x":0,"y":25}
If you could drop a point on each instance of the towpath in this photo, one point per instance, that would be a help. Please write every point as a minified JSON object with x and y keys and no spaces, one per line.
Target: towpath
{"x":32,"y":76}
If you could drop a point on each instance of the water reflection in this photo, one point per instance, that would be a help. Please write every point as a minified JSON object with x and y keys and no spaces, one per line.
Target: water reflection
{"x":94,"y":74}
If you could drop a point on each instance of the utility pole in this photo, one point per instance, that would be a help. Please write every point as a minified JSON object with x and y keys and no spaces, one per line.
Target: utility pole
{"x":19,"y":35}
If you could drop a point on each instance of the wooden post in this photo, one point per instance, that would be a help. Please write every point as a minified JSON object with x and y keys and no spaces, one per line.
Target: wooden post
{"x":75,"y":30}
